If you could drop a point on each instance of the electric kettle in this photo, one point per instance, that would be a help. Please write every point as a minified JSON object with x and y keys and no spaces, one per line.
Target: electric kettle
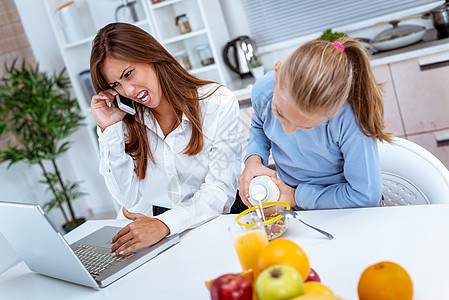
{"x":242,"y":51}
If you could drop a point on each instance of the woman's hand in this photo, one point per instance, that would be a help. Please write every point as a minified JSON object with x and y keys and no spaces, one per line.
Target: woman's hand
{"x":287,"y":193}
{"x":103,"y":109}
{"x":253,"y":167}
{"x":144,"y":231}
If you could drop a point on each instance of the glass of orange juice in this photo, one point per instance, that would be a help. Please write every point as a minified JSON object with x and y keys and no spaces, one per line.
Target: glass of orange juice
{"x":249,"y":239}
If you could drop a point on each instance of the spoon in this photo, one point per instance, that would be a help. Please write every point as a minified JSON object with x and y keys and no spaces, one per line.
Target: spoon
{"x":291,"y":214}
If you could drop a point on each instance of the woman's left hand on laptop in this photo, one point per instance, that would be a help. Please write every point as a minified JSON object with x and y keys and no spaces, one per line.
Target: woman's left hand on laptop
{"x":144,"y":231}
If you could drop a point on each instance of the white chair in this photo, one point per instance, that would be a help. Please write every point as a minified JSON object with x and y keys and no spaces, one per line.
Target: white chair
{"x":411,"y":175}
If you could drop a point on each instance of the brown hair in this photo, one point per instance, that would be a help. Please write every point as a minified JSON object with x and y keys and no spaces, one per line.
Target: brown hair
{"x":130,"y":43}
{"x":320,"y":78}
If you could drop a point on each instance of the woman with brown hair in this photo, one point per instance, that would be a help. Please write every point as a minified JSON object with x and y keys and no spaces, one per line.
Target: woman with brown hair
{"x":321,"y":114}
{"x":179,"y":155}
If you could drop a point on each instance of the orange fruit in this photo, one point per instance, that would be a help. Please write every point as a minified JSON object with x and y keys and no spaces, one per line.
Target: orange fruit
{"x":283,"y":251}
{"x":385,"y":280}
{"x":248,"y":274}
{"x":315,"y":287}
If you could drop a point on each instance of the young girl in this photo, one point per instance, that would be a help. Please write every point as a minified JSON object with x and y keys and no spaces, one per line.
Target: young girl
{"x":321,"y":114}
{"x":179,"y":156}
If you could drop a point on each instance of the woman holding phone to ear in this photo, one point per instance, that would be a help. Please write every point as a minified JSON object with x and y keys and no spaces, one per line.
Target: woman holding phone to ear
{"x":175,"y":163}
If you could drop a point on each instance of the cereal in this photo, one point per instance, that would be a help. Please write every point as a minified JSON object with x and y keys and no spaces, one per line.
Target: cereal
{"x":276,"y":228}
{"x":274,"y":223}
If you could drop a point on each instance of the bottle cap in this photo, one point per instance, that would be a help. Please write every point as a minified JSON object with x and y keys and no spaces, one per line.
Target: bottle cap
{"x":263,"y":188}
{"x":258,"y":192}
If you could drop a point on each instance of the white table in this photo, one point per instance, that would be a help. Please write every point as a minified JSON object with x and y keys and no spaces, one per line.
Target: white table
{"x":416,"y":237}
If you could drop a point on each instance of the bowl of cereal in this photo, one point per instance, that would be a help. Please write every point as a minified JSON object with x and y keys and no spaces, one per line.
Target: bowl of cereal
{"x":274,"y":223}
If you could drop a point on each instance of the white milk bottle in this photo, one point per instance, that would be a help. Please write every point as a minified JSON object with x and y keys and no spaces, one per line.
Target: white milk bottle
{"x":262,"y":189}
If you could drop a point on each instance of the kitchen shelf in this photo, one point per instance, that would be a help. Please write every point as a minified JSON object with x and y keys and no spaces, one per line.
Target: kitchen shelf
{"x":89,"y":39}
{"x":159,"y":21}
{"x":78,"y":43}
{"x":184,"y":36}
{"x":165,"y":3}
{"x":203,"y":69}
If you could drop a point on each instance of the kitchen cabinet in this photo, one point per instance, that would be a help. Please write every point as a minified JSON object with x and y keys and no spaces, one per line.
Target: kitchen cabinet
{"x":417,"y":101}
{"x":423,"y":95}
{"x":157,"y":19}
{"x":392,"y":115}
{"x":428,"y":141}
{"x":208,"y":31}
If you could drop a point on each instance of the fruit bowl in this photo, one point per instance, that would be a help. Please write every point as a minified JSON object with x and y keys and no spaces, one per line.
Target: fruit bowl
{"x":274,"y":223}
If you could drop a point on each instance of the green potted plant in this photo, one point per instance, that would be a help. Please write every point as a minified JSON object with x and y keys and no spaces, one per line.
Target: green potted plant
{"x":330,"y":36}
{"x":256,"y":68}
{"x":37,"y":110}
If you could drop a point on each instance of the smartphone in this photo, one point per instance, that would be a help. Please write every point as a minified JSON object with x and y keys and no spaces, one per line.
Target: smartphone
{"x":125,"y":104}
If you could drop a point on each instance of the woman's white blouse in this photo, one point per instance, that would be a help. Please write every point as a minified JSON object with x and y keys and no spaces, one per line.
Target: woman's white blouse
{"x":196,"y":188}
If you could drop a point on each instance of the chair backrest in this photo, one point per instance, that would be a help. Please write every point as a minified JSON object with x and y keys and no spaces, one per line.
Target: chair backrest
{"x":411,"y":174}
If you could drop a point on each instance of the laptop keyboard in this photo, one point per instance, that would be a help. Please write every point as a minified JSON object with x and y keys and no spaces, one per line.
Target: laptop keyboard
{"x":97,"y":260}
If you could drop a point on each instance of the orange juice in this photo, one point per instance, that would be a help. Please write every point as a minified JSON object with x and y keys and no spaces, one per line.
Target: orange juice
{"x":248,"y":246}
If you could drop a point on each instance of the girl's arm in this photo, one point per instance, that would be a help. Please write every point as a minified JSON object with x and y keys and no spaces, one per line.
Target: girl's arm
{"x":258,"y":151}
{"x":361,"y":170}
{"x":258,"y":142}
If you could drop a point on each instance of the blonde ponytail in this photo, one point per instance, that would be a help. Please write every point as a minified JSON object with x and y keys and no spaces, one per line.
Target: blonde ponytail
{"x":320,"y":77}
{"x":366,"y":94}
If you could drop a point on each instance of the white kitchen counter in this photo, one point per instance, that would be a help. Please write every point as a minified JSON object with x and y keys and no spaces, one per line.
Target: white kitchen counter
{"x":413,"y":51}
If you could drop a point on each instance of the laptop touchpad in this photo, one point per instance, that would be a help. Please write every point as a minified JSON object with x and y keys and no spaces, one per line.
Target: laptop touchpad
{"x":100,"y":238}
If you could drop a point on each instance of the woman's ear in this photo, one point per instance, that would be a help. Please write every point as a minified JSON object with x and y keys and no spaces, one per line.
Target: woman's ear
{"x":277,"y":66}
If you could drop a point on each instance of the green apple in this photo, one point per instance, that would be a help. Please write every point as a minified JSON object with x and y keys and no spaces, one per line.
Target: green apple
{"x":279,"y":282}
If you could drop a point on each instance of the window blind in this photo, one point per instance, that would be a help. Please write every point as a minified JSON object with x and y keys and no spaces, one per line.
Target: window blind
{"x":272,"y":21}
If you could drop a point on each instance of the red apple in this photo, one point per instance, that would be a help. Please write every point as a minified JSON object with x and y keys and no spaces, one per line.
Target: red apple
{"x":231,"y":287}
{"x":313,"y":276}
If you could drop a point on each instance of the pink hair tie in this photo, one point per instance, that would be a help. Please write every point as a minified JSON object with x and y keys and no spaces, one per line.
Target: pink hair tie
{"x":338,"y":46}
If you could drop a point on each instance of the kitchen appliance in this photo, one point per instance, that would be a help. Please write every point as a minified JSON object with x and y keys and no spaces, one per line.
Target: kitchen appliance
{"x":440,"y":20}
{"x":126,"y":12}
{"x":68,"y":17}
{"x":242,"y":52}
{"x":398,"y":36}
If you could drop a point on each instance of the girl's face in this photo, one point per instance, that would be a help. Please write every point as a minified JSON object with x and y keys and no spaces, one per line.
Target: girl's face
{"x":137,"y":81}
{"x":291,"y":117}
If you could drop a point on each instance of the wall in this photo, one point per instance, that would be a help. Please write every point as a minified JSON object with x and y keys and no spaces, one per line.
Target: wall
{"x":13,"y":41}
{"x":14,"y":44}
{"x":268,"y":55}
{"x":20,"y":183}
{"x":237,"y":25}
{"x":40,"y":35}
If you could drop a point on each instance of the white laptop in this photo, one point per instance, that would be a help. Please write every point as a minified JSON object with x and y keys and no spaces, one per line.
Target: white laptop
{"x":87,"y":262}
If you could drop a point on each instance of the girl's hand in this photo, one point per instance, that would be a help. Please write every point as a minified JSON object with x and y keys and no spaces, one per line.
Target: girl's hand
{"x":144,"y":231}
{"x":287,"y":193}
{"x":253,"y":168}
{"x":104,"y":110}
